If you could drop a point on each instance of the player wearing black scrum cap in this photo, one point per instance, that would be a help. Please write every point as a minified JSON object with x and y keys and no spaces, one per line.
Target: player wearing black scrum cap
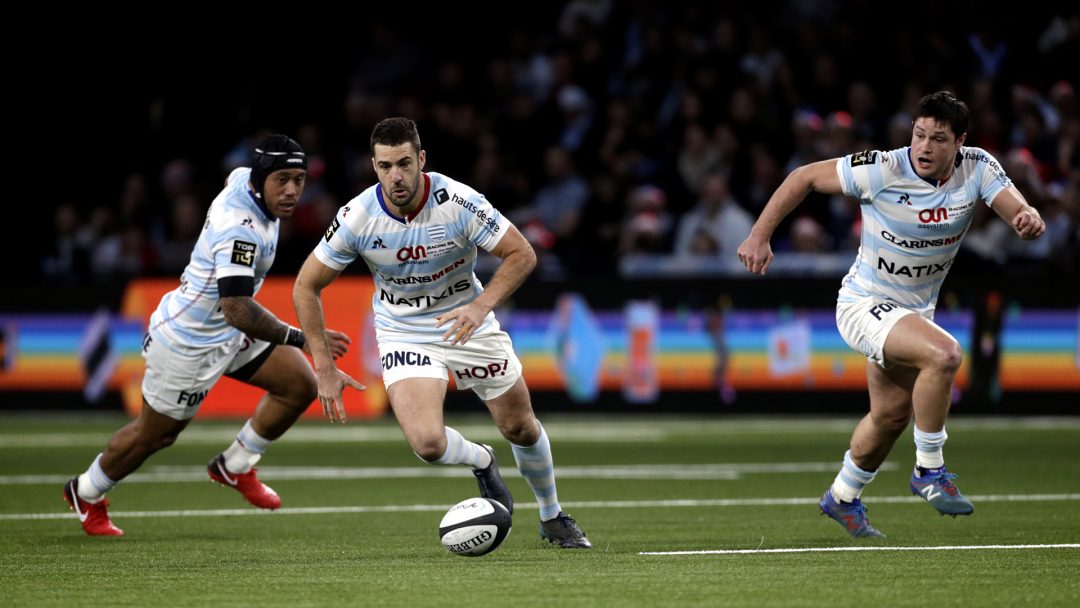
{"x":210,"y":326}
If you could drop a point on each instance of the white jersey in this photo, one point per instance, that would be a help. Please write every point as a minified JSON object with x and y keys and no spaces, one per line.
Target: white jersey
{"x":238,"y":239}
{"x":911,"y":227}
{"x":422,"y":265}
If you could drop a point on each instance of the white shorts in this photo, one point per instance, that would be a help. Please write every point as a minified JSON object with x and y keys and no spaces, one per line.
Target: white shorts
{"x":178,"y":376}
{"x":866,"y":322}
{"x":486,"y":364}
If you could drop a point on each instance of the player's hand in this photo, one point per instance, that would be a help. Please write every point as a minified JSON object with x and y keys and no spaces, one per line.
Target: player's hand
{"x":332,"y":383}
{"x":1028,"y":224}
{"x":338,"y":342}
{"x":464,"y":321}
{"x":756,"y":254}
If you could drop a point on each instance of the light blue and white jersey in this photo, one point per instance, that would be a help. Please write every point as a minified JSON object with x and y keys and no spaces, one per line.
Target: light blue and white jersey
{"x":239,"y":238}
{"x":423,"y":264}
{"x":911,"y":227}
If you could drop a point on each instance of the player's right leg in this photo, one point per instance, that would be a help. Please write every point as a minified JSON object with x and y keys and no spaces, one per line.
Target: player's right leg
{"x":871,"y":442}
{"x":126,"y":451}
{"x":865,"y":325}
{"x":417,"y":403}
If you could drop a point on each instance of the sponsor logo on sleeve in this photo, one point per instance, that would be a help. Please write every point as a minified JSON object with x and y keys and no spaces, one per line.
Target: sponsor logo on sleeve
{"x":332,"y":229}
{"x":243,"y":253}
{"x":866,"y":157}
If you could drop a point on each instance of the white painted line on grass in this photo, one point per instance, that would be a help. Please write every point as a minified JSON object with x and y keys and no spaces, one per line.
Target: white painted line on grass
{"x":705,"y":472}
{"x":582,"y":504}
{"x":842,"y":549}
{"x":608,"y":429}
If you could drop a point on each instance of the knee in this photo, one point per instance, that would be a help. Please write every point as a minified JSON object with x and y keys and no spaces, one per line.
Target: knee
{"x":519,"y":431}
{"x":429,"y":447}
{"x":165,"y":441}
{"x":307,"y":390}
{"x":947,"y":357}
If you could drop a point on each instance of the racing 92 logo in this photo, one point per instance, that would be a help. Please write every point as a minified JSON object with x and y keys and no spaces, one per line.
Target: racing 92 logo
{"x":411,"y":253}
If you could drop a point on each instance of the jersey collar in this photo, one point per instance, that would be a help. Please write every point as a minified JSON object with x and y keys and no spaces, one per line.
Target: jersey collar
{"x":259,"y":204}
{"x":934,"y":182}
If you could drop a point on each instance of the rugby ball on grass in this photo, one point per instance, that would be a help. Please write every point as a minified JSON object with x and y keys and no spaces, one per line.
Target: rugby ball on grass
{"x":474,"y":527}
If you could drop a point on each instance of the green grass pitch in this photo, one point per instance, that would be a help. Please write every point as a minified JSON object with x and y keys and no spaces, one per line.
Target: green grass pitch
{"x":359,"y":524}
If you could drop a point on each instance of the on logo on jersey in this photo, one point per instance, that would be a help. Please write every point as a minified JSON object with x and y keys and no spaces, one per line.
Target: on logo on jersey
{"x":441,"y":196}
{"x":933,"y":216}
{"x":332,"y":229}
{"x":243,"y":252}
{"x":411,"y":253}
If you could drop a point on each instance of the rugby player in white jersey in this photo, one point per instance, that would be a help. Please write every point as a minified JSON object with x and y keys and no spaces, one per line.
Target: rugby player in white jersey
{"x":418,"y":233}
{"x":210,"y":326}
{"x":917,"y":202}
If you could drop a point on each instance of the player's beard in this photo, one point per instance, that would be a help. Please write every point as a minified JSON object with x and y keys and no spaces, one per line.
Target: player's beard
{"x":410,"y":190}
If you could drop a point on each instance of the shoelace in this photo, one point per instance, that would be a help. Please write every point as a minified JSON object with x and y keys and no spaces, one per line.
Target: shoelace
{"x":569,"y":522}
{"x":945,"y":480}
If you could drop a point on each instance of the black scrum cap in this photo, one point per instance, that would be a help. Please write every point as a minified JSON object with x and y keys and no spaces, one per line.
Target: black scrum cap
{"x":275,"y":153}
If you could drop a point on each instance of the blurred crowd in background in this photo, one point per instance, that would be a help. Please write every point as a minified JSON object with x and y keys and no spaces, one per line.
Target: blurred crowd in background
{"x":610,"y":129}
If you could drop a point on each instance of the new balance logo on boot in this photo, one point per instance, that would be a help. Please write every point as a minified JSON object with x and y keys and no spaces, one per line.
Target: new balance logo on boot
{"x":936,"y":486}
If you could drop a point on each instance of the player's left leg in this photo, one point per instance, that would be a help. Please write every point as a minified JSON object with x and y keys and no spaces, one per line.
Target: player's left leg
{"x":513,"y":414}
{"x":920,"y":343}
{"x":291,"y":386}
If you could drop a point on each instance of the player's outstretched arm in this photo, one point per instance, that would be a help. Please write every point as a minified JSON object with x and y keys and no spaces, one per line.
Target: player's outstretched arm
{"x":755,"y":252}
{"x":1011,"y":206}
{"x":307,"y":299}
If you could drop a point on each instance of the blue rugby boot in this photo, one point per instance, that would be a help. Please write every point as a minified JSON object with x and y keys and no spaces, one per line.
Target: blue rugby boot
{"x":936,"y":487}
{"x":851,"y":515}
